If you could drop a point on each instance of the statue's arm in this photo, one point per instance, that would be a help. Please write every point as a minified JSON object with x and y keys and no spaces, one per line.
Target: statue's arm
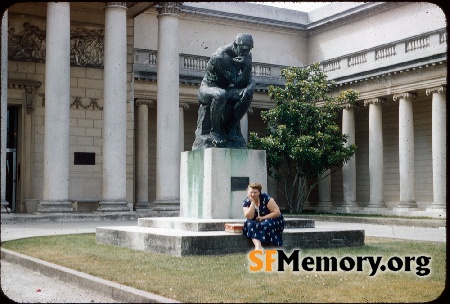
{"x":246,"y":78}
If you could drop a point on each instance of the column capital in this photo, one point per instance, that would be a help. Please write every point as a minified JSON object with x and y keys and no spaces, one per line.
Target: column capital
{"x":439,"y":89}
{"x":406,"y":95}
{"x":143,"y":102}
{"x":374,"y":101}
{"x":116,"y":4}
{"x":350,"y":105}
{"x":184,"y":105}
{"x":168,"y":8}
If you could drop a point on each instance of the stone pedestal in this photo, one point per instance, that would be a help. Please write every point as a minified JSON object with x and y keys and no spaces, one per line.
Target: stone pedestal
{"x":213,"y":184}
{"x":213,"y":181}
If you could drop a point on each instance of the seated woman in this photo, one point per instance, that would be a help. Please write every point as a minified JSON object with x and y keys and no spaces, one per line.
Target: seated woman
{"x":265,"y":223}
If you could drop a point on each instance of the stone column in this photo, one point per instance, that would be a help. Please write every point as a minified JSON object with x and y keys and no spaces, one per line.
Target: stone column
{"x":4,"y":108}
{"x":142,"y":154}
{"x":114,"y":196}
{"x":439,"y":146}
{"x":406,"y":149}
{"x":183,"y":106}
{"x":167,"y":130}
{"x":349,"y":169}
{"x":325,"y":203}
{"x":57,"y":110}
{"x":376,"y":162}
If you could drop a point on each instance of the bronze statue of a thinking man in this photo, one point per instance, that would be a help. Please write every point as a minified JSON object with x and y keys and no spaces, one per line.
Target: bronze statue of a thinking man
{"x":225,"y":95}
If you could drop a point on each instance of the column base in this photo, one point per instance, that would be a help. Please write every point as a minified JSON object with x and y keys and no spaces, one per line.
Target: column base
{"x":349,"y":204}
{"x":323,"y":206}
{"x":113,"y":206}
{"x":4,"y":207}
{"x":374,"y":209}
{"x":142,"y":206}
{"x":408,"y":205}
{"x":348,"y":208}
{"x":54,"y":206}
{"x":166,"y":205}
{"x":376,"y":205}
{"x":307,"y":205}
{"x":437,"y":207}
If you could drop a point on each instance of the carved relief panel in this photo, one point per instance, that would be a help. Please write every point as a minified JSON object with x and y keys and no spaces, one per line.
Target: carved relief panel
{"x":27,"y":43}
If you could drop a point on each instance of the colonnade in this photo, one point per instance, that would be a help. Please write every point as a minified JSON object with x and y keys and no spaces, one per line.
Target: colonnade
{"x":406,"y":155}
{"x":57,"y":112}
{"x":170,"y":125}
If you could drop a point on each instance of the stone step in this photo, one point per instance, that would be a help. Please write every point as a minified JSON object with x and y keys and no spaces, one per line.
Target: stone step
{"x":178,"y":242}
{"x":192,"y":224}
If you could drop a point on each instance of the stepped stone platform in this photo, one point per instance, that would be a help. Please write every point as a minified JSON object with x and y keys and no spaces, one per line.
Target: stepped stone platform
{"x":190,"y":236}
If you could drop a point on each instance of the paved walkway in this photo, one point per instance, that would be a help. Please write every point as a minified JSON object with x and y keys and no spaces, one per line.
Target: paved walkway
{"x":21,"y":284}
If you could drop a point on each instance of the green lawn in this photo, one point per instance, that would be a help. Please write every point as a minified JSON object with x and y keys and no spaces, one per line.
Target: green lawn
{"x":227,"y":278}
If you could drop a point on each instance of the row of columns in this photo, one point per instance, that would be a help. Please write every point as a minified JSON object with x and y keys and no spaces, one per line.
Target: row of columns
{"x":169,"y":136}
{"x":57,"y":112}
{"x":57,"y":109}
{"x":406,"y":154}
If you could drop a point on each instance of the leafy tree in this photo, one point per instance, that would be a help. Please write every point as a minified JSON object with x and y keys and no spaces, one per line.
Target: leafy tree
{"x":303,"y":139}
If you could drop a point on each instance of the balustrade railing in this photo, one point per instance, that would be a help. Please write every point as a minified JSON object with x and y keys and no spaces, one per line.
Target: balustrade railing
{"x":417,"y":44}
{"x":429,"y":44}
{"x":199,"y":63}
{"x":385,"y":52}
{"x":195,"y":62}
{"x":331,"y":66}
{"x":443,"y":38}
{"x":357,"y":60}
{"x":144,"y":56}
{"x":261,"y":70}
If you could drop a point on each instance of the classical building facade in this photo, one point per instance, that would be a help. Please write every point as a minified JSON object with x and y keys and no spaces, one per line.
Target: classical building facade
{"x":99,"y":99}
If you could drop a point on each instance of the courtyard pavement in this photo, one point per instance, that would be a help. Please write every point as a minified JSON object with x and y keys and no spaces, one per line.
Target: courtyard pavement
{"x":24,"y":279}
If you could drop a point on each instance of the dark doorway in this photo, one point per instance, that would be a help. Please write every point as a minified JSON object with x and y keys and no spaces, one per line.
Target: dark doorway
{"x":11,"y":157}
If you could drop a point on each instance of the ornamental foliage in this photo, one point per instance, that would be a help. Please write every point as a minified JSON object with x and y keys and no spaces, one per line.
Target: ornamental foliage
{"x":304,"y":140}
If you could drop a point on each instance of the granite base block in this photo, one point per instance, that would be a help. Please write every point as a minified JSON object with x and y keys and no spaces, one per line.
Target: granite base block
{"x":184,"y":237}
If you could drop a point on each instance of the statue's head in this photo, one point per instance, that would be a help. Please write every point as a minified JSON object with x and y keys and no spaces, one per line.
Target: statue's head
{"x":243,"y":44}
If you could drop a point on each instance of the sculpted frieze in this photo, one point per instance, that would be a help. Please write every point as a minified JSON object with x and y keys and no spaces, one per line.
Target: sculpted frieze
{"x":87,"y":47}
{"x":27,"y":43}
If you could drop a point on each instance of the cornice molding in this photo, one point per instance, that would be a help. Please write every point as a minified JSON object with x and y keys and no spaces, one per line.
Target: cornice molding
{"x":350,"y":15}
{"x":307,"y":29}
{"x":240,"y":19}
